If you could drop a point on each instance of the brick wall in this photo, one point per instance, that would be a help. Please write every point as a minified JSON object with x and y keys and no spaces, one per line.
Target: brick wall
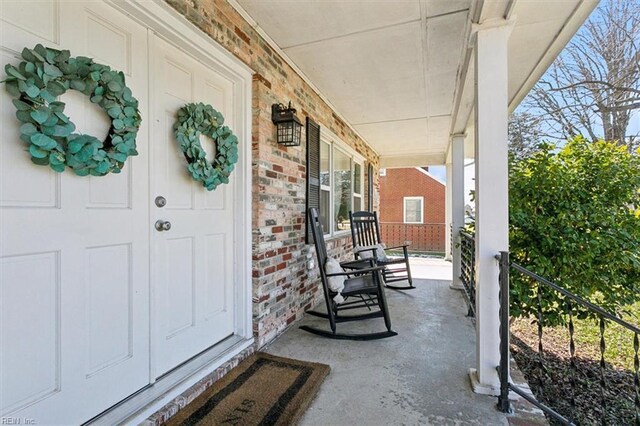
{"x":410,"y":182}
{"x":282,"y":286}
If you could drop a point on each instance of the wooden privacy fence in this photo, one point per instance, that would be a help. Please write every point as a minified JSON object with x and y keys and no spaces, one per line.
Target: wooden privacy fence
{"x":423,"y":236}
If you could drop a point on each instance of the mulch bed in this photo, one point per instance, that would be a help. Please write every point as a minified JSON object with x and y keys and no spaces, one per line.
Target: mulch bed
{"x":576,"y":393}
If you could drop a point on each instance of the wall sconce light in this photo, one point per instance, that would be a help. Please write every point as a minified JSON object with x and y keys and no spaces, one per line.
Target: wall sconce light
{"x":288,"y":127}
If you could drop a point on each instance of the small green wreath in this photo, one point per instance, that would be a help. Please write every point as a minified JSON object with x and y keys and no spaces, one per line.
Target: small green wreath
{"x":197,"y":119}
{"x":48,"y":73}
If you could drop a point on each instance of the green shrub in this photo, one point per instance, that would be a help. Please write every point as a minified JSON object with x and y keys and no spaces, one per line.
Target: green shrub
{"x":575,"y":219}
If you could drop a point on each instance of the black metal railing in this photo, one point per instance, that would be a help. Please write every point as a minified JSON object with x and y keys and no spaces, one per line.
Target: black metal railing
{"x":468,"y":269}
{"x":572,"y":301}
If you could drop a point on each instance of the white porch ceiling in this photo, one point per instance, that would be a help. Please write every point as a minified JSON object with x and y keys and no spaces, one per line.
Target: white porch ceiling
{"x":400,"y":71}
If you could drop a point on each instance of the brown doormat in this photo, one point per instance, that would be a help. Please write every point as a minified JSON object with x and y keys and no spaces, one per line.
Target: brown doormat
{"x":262,"y":390}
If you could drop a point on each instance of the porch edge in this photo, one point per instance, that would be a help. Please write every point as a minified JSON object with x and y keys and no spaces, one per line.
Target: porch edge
{"x":481,"y":388}
{"x":156,"y":403}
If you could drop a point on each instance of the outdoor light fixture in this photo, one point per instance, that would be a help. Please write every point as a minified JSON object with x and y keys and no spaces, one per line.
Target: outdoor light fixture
{"x":288,"y":127}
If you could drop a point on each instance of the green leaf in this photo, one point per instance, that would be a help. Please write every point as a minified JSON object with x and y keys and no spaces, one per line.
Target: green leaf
{"x":103,"y":167}
{"x":51,"y":55}
{"x":27,"y":55}
{"x":13,"y":72}
{"x":40,"y":115}
{"x":52,"y":70}
{"x":114,"y":112}
{"x":114,"y":86}
{"x":62,"y":117}
{"x":12,"y":88}
{"x":118,"y":156}
{"x":38,"y":152}
{"x":77,"y":85}
{"x":28,"y":129}
{"x":57,"y":167}
{"x":51,"y":121}
{"x":118,"y":124}
{"x":24,"y":116}
{"x":44,"y":161}
{"x":43,"y":141}
{"x":126,"y":94}
{"x":130,"y":111}
{"x":75,"y":146}
{"x":40,"y":52}
{"x":122,"y":147}
{"x":56,"y":106}
{"x":21,"y":106}
{"x":32,"y":91}
{"x":56,"y":158}
{"x":47,"y":96}
{"x":62,"y":131}
{"x":56,"y":88}
{"x":63,"y":56}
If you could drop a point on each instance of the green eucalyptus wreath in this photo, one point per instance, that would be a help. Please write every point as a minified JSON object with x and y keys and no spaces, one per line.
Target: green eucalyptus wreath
{"x":197,"y":119}
{"x":48,"y":73}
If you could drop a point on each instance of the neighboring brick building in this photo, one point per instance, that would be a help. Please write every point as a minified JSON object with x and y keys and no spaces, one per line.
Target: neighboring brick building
{"x":412,"y":208}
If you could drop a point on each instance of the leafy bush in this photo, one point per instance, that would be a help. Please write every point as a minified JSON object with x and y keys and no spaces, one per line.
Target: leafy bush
{"x":575,"y":219}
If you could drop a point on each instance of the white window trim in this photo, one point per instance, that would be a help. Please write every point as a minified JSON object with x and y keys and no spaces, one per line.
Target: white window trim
{"x":334,"y":142}
{"x":404,"y":208}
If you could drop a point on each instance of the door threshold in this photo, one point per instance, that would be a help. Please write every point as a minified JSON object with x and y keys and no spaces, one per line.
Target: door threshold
{"x":148,"y":400}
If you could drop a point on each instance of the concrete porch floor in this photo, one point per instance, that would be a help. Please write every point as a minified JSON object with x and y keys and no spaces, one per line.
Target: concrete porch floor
{"x":418,"y":377}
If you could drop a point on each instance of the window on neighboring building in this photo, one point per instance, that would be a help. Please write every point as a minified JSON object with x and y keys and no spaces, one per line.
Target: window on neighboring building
{"x":413,"y":209}
{"x":341,"y":180}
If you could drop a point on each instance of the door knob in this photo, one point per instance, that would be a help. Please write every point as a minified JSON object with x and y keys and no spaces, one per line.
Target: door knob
{"x":161,"y":201}
{"x":163,"y":225}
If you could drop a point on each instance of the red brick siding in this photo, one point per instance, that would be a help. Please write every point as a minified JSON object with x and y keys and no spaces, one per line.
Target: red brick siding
{"x":283,"y":288}
{"x":410,"y":182}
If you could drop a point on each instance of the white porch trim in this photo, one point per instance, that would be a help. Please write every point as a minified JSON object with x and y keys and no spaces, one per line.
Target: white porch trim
{"x":492,"y":200}
{"x":448,"y":200}
{"x":457,"y":206}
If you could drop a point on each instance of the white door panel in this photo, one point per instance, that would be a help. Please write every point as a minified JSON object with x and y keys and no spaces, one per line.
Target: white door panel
{"x":74,"y":250}
{"x":193,"y":261}
{"x":83,"y":323}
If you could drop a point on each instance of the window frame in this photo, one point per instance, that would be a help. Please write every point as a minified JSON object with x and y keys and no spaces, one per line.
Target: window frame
{"x":335,"y":143}
{"x":404,"y":209}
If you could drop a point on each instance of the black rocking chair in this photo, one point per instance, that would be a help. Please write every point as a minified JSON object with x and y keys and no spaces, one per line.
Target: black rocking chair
{"x":365,"y":232}
{"x":363,"y":289}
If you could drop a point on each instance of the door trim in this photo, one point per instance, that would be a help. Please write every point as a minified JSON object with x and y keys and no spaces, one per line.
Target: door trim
{"x":165,"y":22}
{"x":139,"y":406}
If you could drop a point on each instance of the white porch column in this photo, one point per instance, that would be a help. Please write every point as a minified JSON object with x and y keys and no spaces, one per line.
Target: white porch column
{"x":492,"y":200}
{"x":447,"y":214}
{"x":456,"y":182}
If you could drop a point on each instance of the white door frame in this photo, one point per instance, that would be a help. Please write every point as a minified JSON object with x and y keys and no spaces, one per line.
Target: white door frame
{"x":175,"y":28}
{"x":169,"y":24}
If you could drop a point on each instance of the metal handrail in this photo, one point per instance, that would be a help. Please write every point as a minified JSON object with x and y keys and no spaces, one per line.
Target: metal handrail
{"x":467,"y":272}
{"x":503,"y":368}
{"x":578,"y":299}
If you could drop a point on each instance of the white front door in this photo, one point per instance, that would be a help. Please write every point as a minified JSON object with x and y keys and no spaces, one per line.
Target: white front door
{"x":193,"y":262}
{"x":74,"y":251}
